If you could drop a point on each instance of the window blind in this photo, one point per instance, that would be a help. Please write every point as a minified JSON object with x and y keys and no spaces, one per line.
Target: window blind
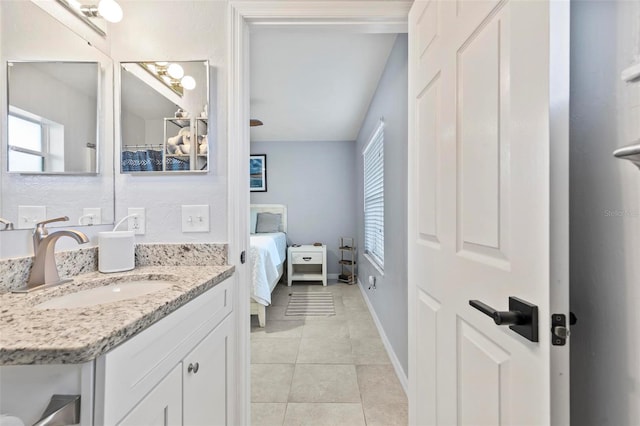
{"x":374,"y":196}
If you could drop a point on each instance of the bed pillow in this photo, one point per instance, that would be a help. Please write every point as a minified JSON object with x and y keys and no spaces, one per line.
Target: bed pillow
{"x":254,"y":220}
{"x":268,"y":222}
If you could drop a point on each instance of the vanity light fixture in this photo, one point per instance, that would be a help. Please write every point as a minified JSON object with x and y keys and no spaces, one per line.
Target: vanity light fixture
{"x":109,"y":10}
{"x":171,"y":75}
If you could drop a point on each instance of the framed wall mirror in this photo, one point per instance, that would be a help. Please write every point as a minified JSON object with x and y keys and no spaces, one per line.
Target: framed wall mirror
{"x":53,"y":117}
{"x":56,"y":116}
{"x":164,"y":112}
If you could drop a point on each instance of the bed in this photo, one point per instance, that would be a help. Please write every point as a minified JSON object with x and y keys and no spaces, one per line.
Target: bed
{"x":267,"y":257}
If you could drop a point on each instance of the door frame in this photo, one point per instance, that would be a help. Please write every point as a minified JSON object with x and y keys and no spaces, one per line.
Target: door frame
{"x":361,"y":16}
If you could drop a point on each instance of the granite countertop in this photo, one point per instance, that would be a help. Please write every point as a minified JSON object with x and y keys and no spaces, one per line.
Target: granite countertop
{"x":72,"y":336}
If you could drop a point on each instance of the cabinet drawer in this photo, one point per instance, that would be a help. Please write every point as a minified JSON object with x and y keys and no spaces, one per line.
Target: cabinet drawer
{"x":306,"y":257}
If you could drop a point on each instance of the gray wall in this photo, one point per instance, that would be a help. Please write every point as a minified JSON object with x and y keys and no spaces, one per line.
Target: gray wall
{"x":390,"y":298}
{"x":317,"y":183}
{"x":605,"y":215}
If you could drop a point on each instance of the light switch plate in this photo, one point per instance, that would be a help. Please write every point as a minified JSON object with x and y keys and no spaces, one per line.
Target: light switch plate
{"x":91,"y":216}
{"x":195,"y":218}
{"x":138,"y":224}
{"x":28,"y":216}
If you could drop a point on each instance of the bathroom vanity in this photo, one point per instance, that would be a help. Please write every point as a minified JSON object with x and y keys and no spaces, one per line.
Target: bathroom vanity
{"x":165,"y":357}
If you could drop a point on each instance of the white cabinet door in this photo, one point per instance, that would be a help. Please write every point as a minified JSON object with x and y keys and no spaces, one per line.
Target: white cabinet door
{"x":162,"y":406}
{"x":207,"y":382}
{"x":487,"y":202}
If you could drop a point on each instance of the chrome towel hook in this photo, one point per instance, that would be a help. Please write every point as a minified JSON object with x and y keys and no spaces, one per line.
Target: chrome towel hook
{"x":629,"y":152}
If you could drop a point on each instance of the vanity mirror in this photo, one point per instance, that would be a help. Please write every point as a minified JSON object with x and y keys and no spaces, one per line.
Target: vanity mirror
{"x":56,"y":116}
{"x":164,"y":117}
{"x":53,"y":111}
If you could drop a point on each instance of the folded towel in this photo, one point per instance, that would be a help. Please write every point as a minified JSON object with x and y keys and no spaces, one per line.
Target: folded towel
{"x":203,"y":149}
{"x":186,"y":135}
{"x":171,"y":149}
{"x":185,"y":148}
{"x":175,"y":140}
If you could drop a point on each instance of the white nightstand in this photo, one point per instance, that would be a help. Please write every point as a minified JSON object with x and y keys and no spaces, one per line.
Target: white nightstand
{"x":307,"y":263}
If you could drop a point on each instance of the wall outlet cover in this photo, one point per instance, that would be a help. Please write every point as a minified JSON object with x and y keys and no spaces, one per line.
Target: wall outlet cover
{"x":195,"y":218}
{"x":28,"y":216}
{"x":91,"y":216}
{"x":138,"y":224}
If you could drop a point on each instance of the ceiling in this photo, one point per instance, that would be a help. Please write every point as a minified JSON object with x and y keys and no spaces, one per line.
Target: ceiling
{"x":142,"y":100}
{"x":80,"y":76}
{"x":313,"y":85}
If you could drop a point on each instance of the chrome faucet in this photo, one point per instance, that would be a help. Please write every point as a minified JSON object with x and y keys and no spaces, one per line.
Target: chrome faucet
{"x":8,"y":225}
{"x":44,"y":272}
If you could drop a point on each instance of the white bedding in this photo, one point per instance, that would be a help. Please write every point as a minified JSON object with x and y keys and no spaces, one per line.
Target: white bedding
{"x":268,"y":253}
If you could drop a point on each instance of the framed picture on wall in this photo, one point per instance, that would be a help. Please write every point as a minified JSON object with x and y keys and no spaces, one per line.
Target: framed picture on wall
{"x":258,"y":173}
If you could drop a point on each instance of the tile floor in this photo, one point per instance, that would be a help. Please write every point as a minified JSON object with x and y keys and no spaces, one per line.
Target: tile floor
{"x":323,"y":370}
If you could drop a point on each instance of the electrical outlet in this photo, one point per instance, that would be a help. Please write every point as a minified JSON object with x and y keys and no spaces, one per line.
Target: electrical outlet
{"x":372,"y":282}
{"x":91,"y":216}
{"x":138,"y":223}
{"x":195,"y":218}
{"x":28,"y":216}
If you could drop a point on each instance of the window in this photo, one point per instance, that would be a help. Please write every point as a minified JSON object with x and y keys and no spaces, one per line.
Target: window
{"x":36,"y":144}
{"x":374,"y":197}
{"x":25,"y":145}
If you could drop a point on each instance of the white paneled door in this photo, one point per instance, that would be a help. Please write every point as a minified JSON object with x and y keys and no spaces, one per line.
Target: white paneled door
{"x":488,"y":94}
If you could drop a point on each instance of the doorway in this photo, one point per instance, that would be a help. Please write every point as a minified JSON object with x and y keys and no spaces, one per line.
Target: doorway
{"x":377,"y":17}
{"x":321,"y":95}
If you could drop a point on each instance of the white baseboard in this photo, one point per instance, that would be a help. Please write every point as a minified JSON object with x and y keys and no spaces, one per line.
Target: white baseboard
{"x":404,"y":381}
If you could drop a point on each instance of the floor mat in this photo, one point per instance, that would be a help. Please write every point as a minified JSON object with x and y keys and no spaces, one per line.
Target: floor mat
{"x":311,"y":304}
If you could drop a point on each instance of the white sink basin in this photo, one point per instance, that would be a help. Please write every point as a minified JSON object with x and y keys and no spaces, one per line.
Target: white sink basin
{"x":106,"y":294}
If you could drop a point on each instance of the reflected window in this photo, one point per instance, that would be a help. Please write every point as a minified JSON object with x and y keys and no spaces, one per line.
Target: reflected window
{"x":35,"y":144}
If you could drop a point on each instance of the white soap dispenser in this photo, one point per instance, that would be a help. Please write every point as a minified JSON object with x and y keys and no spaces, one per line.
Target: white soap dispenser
{"x":116,"y":249}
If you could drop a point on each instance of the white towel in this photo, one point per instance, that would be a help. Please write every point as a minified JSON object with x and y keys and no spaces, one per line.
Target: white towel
{"x":172,"y":149}
{"x":186,"y":135}
{"x":185,"y":148}
{"x":174,"y":140}
{"x":203,"y":149}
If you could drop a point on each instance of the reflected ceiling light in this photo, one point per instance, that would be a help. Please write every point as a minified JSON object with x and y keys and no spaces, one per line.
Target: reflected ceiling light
{"x":110,"y":10}
{"x":188,"y":82}
{"x":175,"y":71}
{"x":171,"y":75}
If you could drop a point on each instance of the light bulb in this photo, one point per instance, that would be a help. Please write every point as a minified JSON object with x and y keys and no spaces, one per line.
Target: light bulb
{"x":75,"y":4}
{"x":175,"y":71}
{"x":110,"y":10}
{"x":188,"y":82}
